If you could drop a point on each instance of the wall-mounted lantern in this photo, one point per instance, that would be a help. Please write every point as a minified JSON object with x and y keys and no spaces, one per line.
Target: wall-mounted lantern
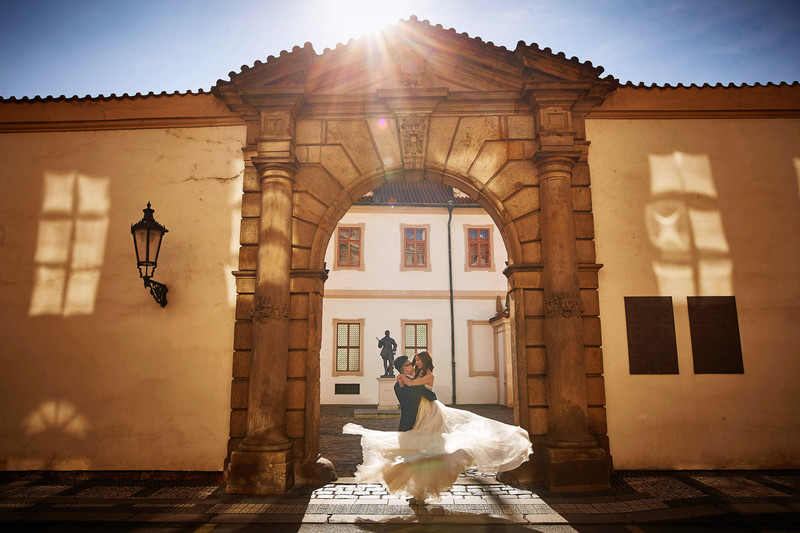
{"x":147,"y":235}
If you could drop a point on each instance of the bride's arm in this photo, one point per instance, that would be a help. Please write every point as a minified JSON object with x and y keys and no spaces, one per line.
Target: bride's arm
{"x":427,"y":379}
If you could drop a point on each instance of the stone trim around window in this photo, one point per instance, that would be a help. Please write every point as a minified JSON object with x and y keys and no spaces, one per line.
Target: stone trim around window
{"x":361,"y":266}
{"x":473,"y":352}
{"x":427,"y":266}
{"x":401,"y":345}
{"x":335,"y":346}
{"x":491,"y":267}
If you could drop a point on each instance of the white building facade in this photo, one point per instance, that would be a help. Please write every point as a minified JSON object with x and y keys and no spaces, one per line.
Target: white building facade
{"x":389,"y":270}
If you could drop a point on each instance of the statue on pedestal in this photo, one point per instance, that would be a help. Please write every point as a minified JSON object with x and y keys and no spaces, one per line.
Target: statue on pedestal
{"x":388,"y":348}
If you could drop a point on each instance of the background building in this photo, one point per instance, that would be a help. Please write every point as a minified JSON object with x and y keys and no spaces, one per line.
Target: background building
{"x":389,"y":268}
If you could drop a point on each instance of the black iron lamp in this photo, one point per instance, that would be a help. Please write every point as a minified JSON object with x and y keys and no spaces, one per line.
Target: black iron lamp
{"x":147,"y":235}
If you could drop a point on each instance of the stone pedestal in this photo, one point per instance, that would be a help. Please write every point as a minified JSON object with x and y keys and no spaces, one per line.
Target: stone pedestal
{"x":582,"y":469}
{"x":387,"y":400}
{"x":260,"y":472}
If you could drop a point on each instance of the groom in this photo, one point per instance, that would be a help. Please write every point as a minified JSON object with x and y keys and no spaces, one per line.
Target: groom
{"x":408,"y":396}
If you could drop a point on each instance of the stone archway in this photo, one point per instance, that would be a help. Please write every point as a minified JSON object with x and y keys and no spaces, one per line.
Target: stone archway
{"x":505,"y":128}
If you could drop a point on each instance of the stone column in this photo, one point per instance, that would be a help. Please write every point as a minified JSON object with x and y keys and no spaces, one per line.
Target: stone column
{"x":263,"y":464}
{"x":573,"y":460}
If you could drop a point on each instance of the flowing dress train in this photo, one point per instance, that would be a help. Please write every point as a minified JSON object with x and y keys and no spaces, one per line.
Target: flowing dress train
{"x":444,"y":441}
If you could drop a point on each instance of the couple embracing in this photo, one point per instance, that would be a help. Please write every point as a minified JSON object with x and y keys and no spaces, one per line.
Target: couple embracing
{"x":414,"y":382}
{"x":435,"y":443}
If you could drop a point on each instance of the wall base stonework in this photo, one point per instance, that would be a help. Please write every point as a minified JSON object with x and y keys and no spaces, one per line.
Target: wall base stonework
{"x":576,"y":469}
{"x":260,"y":472}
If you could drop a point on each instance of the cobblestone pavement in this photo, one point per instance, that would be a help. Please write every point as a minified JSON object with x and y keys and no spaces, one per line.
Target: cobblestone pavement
{"x":637,"y":501}
{"x":745,"y":499}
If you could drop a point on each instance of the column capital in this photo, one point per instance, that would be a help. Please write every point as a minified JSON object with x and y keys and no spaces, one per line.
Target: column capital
{"x":554,"y":166}
{"x":525,"y":275}
{"x":269,"y":169}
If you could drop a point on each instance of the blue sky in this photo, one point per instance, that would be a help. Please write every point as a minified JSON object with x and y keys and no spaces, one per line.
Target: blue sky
{"x":93,"y":47}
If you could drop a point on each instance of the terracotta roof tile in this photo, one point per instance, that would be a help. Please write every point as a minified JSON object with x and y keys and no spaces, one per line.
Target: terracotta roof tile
{"x":642,"y":85}
{"x":100,"y":97}
{"x":415,"y":193}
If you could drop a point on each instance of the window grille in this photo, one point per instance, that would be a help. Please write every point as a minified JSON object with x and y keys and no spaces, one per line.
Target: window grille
{"x":347,"y":388}
{"x":415,"y":338}
{"x":348,"y":347}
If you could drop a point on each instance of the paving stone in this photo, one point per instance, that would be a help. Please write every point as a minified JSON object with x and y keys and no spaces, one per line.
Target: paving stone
{"x":184,"y":492}
{"x":170,"y":517}
{"x":789,"y":481}
{"x":36,"y":491}
{"x":665,"y":488}
{"x":676,"y":513}
{"x":596,"y":518}
{"x":13,"y":517}
{"x":266,"y":518}
{"x":102,"y":491}
{"x":66,"y":516}
{"x":738,"y":486}
{"x":755,"y":508}
{"x":545,"y":518}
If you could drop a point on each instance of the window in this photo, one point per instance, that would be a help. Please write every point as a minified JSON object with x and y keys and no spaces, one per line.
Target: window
{"x":349,"y":247}
{"x":415,"y":247}
{"x":415,"y":337}
{"x":479,"y":248}
{"x":348,"y":339}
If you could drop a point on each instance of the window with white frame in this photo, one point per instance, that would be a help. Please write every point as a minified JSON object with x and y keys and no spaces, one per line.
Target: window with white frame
{"x":349,"y":247}
{"x":479,"y":248}
{"x":416,"y":251}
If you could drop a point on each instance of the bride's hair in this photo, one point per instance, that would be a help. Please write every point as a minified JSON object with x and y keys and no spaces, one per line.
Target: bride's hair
{"x":427,"y":363}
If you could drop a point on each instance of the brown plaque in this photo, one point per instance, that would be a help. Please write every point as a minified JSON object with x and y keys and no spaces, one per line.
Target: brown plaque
{"x":714,"y":327}
{"x":651,"y":335}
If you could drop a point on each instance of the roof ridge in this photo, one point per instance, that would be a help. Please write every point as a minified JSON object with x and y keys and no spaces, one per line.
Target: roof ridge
{"x":718,"y":85}
{"x":101,"y":97}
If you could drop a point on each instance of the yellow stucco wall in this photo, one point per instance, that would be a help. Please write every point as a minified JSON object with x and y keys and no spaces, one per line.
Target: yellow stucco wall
{"x":96,"y":375}
{"x":737,"y":180}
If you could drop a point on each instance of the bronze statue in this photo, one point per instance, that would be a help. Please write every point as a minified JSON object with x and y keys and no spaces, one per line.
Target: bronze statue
{"x":388,"y":348}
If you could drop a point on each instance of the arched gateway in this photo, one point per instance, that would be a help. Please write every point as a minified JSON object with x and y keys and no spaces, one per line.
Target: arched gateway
{"x":416,"y":102}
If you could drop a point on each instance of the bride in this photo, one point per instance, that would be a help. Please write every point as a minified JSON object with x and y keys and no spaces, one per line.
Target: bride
{"x":426,"y":460}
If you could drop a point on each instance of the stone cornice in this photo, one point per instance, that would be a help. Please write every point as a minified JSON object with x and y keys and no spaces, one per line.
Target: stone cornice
{"x":689,"y":114}
{"x":119,"y":124}
{"x":412,"y":294}
{"x":144,"y":112}
{"x":770,"y":102}
{"x":539,"y":267}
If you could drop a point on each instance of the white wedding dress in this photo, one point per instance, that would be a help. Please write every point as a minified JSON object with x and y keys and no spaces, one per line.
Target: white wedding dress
{"x":444,"y":441}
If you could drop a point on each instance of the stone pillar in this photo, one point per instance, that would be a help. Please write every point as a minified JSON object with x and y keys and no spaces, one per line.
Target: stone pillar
{"x":573,"y":461}
{"x":263,"y":464}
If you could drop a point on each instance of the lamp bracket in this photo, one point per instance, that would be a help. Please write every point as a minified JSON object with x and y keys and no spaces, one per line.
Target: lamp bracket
{"x":158,"y":290}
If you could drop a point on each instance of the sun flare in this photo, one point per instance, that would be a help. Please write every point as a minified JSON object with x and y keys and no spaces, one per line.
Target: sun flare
{"x":347,"y":19}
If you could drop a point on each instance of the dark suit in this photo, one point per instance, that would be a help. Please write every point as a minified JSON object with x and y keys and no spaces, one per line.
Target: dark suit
{"x":409,"y":398}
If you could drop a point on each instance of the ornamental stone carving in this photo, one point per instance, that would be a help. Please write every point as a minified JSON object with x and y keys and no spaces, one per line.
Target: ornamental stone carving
{"x":265,"y":309}
{"x":563,"y":306}
{"x":412,"y":130}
